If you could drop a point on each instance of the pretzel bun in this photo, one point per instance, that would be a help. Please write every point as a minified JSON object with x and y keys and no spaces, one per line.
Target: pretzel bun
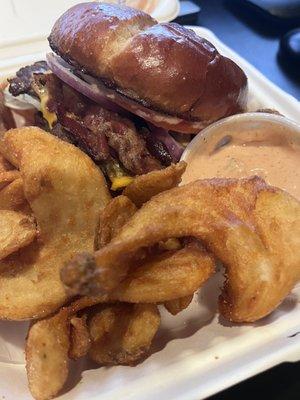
{"x":163,"y":67}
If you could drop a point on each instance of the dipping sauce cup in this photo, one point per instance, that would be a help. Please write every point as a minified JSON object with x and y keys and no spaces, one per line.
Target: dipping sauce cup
{"x":266,"y":145}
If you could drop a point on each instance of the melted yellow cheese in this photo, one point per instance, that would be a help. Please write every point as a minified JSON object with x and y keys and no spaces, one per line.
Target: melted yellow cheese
{"x":121,"y":182}
{"x":49,"y":116}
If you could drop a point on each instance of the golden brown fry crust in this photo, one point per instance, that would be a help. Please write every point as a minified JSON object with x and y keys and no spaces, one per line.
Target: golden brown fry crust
{"x":252,"y":228}
{"x":12,"y":197}
{"x":48,"y":348}
{"x":17,"y":230}
{"x":146,"y":186}
{"x":80,"y":338}
{"x":118,"y":211}
{"x":46,"y":352}
{"x":66,"y":193}
{"x":122,"y":333}
{"x":166,"y":277}
{"x":177,"y":305}
{"x":5,"y":165}
{"x":7,"y":177}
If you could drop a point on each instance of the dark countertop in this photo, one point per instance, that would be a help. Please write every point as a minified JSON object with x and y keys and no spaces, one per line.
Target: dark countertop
{"x":279,"y":383}
{"x":251,"y":36}
{"x":257,"y":41}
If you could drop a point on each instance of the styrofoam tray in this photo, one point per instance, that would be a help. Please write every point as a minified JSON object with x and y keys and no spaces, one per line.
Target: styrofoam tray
{"x":25,"y":26}
{"x":195,"y":354}
{"x":31,"y":20}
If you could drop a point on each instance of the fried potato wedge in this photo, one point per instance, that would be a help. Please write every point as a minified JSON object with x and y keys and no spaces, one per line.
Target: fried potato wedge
{"x":16,"y":231}
{"x":166,"y":277}
{"x":146,"y":186}
{"x":5,"y":165}
{"x":277,"y":217}
{"x":118,"y":211}
{"x":122,"y":333}
{"x":254,"y":229}
{"x":49,"y":346}
{"x":12,"y":197}
{"x":177,"y":305}
{"x":80,"y":338}
{"x":164,"y":273}
{"x":46,"y":352}
{"x":66,"y":192}
{"x":8,"y":177}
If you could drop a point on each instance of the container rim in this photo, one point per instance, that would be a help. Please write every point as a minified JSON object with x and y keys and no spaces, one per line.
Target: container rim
{"x":244,"y":117}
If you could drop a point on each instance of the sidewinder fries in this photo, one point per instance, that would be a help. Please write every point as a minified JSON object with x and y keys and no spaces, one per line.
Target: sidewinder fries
{"x":142,"y":189}
{"x":240,"y":221}
{"x":161,"y":253}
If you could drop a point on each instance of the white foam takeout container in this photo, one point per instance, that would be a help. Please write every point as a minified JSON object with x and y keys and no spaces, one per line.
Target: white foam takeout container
{"x":29,"y":22}
{"x":195,"y":354}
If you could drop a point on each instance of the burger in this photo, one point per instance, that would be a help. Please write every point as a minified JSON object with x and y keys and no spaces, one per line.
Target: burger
{"x":128,"y":91}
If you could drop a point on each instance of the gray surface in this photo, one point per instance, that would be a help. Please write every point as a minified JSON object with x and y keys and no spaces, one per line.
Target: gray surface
{"x":251,"y":36}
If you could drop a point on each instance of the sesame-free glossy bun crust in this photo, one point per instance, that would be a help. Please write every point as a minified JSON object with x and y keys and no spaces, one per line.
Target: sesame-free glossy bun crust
{"x":165,"y":67}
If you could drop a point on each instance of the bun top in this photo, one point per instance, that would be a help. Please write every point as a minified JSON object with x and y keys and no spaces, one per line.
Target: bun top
{"x":165,"y":67}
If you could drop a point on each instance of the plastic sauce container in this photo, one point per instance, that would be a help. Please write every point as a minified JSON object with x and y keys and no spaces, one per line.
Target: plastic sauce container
{"x":244,"y":145}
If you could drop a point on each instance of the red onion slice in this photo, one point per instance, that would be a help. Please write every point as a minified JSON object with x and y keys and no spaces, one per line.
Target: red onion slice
{"x":174,"y":148}
{"x":92,"y":91}
{"x":114,"y":101}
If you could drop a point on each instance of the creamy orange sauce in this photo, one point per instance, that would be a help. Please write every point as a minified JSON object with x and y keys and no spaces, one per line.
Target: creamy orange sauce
{"x":276,"y":161}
